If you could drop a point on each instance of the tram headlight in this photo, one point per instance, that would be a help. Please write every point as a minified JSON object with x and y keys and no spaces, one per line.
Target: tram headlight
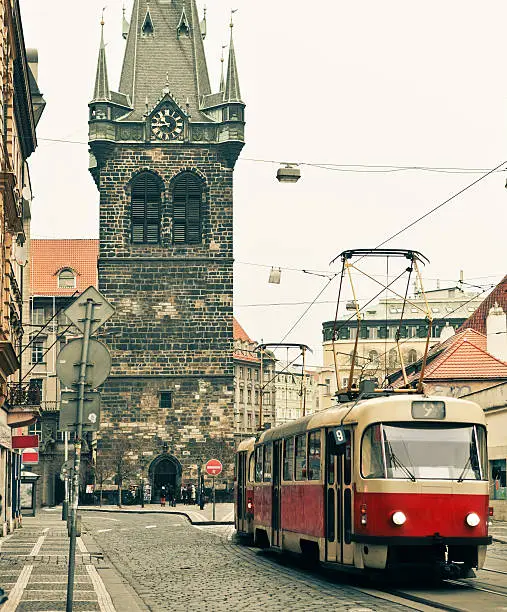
{"x":473,"y":519}
{"x":399,"y":518}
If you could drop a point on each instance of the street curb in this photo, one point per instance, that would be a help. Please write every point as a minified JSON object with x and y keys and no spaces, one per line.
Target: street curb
{"x":503,"y":541}
{"x":176,"y":512}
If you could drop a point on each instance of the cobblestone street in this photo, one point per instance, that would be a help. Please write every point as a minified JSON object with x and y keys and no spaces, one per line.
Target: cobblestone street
{"x":176,"y":566}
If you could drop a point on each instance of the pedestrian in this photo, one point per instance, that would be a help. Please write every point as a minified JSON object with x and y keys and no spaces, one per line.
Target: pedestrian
{"x":162,"y":497}
{"x":193,"y":494}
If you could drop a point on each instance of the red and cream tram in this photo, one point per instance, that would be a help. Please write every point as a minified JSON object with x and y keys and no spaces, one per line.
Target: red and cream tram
{"x":390,"y":482}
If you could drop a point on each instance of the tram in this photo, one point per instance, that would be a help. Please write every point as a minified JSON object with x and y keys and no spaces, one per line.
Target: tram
{"x":387,"y":481}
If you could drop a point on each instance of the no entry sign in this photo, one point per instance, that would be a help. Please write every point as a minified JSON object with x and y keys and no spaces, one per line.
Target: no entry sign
{"x":213,"y":467}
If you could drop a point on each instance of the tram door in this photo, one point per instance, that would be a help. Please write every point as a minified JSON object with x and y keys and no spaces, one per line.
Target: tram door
{"x":241,"y":492}
{"x":276,"y":501}
{"x":339,"y":499}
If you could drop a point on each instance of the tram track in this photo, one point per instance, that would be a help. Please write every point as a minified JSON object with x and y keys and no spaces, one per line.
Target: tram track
{"x":445,"y":596}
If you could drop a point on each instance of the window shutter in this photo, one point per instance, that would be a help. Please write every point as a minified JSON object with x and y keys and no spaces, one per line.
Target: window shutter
{"x":364,"y":332}
{"x":145,"y":210}
{"x":187,"y":198}
{"x":382,"y":333}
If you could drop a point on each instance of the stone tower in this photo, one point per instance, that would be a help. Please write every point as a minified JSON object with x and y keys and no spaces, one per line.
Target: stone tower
{"x":163,"y":150}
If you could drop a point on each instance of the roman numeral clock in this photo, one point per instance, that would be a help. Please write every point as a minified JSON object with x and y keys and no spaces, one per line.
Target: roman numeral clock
{"x":167,"y":124}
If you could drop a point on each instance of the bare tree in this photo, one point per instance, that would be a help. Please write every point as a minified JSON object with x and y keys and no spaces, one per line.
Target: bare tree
{"x":119,"y":458}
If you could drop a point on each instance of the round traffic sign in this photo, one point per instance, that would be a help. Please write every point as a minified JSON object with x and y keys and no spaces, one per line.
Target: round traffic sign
{"x":213,"y":467}
{"x":98,"y":363}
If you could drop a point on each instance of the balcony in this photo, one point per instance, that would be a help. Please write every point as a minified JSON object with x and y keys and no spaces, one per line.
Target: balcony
{"x":23,"y":404}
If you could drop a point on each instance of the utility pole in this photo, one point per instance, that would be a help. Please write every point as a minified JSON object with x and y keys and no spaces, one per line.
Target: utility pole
{"x":77,"y":454}
{"x":81,"y":411}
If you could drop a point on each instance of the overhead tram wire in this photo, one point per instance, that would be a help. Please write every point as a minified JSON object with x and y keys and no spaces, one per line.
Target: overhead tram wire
{"x":427,"y":214}
{"x":354,"y":168}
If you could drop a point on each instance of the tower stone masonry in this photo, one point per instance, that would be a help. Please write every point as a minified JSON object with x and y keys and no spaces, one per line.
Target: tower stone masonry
{"x":163,"y":150}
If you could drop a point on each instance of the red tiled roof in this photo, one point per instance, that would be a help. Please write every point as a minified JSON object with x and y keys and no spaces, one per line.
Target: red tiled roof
{"x":48,"y":257}
{"x":240,"y":333}
{"x":477,"y":321}
{"x":462,"y":357}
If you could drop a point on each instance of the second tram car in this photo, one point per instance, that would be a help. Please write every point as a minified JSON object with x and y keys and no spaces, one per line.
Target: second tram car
{"x":387,"y":482}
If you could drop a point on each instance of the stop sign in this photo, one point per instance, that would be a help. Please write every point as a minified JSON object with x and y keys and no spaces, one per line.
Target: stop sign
{"x":213,"y":467}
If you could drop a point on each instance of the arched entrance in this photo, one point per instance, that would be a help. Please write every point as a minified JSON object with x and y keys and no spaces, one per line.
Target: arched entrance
{"x":164,"y":471}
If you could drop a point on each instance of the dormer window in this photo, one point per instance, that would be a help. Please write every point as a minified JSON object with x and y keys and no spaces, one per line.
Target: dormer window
{"x":66,"y":279}
{"x":147,"y":28}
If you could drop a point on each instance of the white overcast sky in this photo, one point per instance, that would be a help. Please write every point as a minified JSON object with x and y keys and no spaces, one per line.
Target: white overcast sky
{"x":392,"y":83}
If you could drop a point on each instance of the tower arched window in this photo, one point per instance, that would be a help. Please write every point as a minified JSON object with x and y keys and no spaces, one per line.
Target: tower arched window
{"x":66,"y":279}
{"x":187,"y":216}
{"x":145,"y":209}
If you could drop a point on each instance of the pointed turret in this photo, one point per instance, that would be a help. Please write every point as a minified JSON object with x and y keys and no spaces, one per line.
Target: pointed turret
{"x":125,"y":25}
{"x":174,"y":46}
{"x":101,"y":91}
{"x":232,"y":91}
{"x":222,"y":77}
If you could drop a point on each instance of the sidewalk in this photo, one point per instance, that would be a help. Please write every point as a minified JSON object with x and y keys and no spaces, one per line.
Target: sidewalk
{"x":224,"y":513}
{"x":498,"y":529}
{"x":34,"y":565}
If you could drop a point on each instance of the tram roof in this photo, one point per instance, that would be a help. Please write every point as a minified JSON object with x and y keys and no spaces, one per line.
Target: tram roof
{"x":390,"y":408}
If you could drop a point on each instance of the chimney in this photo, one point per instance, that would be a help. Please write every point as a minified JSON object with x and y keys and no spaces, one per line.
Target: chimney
{"x":496,"y":330}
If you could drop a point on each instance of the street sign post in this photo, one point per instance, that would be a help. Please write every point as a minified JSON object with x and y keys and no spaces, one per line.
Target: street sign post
{"x":98,"y":363}
{"x":82,"y":365}
{"x":214,"y":468}
{"x":69,"y":411}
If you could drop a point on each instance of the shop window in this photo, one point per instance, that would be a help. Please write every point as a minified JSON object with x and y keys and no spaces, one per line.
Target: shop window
{"x":498,"y":479}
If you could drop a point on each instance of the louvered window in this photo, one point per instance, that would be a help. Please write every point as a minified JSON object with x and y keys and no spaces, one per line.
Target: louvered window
{"x":187,"y":198}
{"x":145,"y":210}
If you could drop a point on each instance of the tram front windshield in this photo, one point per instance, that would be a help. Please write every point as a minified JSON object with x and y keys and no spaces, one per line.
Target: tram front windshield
{"x":412,"y":451}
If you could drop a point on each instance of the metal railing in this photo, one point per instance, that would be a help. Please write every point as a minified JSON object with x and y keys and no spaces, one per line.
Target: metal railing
{"x":24,"y":394}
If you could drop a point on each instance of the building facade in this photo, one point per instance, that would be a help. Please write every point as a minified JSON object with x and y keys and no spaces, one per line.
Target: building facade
{"x":59,"y":271}
{"x":377,"y":355}
{"x":21,"y":107}
{"x":163,"y":151}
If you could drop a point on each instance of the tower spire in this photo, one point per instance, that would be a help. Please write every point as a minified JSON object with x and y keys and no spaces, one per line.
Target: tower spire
{"x":222,"y":77}
{"x":101,"y":91}
{"x":232,"y":91}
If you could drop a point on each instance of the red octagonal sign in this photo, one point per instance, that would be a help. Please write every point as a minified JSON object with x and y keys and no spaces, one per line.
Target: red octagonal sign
{"x":213,"y":467}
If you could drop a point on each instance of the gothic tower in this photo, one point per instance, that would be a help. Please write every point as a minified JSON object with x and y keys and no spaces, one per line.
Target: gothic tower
{"x":163,"y":150}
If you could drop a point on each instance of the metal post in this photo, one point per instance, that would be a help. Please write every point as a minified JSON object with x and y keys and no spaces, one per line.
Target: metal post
{"x":77,"y":453}
{"x":213,"y":498}
{"x":199,"y":492}
{"x":65,"y":505}
{"x":261,"y":396}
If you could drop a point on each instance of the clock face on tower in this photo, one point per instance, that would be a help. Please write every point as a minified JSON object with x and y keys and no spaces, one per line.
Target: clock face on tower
{"x":167,"y":124}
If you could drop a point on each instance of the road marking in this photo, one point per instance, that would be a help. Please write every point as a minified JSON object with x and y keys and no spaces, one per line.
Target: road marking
{"x":45,"y":530}
{"x":103,"y":518}
{"x":37,"y":546}
{"x":17,"y":591}
{"x":104,"y":600}
{"x":81,"y":545}
{"x":103,"y":530}
{"x":149,"y":526}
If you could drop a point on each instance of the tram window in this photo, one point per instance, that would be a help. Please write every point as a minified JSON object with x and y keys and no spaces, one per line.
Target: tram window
{"x":268,"y":451}
{"x":301,"y":457}
{"x":258,"y":464}
{"x":347,"y":467}
{"x":371,"y":454}
{"x":288,"y":459}
{"x":251,"y":468}
{"x":314,"y":455}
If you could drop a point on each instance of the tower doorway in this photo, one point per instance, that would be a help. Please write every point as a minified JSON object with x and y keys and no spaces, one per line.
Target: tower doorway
{"x":165,"y":471}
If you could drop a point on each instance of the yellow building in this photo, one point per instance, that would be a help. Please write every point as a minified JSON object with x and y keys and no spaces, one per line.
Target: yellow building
{"x":21,"y":107}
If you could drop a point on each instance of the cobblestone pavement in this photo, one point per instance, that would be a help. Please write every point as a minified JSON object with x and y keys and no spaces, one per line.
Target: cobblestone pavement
{"x":179,"y":567}
{"x":33,"y":569}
